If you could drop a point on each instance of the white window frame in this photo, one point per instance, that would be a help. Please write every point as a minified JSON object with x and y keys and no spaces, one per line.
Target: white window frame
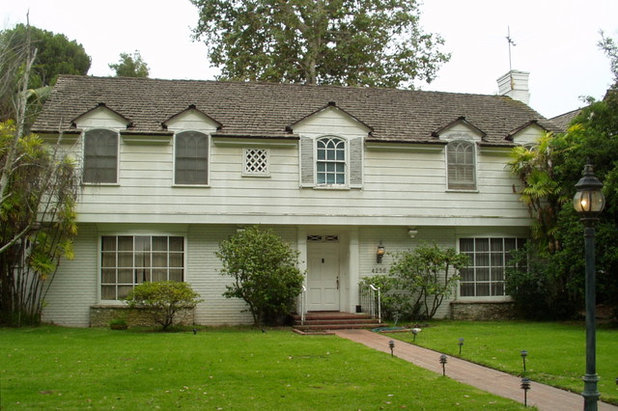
{"x":84,"y":135}
{"x":134,"y":267}
{"x":474,"y":267}
{"x":246,"y":172}
{"x":345,"y":162}
{"x":208,"y":163}
{"x":452,"y":186}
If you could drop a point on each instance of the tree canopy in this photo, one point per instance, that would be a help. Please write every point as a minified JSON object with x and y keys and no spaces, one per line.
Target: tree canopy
{"x":130,"y":65}
{"x":548,"y":175}
{"x":56,"y":54}
{"x":345,"y":42}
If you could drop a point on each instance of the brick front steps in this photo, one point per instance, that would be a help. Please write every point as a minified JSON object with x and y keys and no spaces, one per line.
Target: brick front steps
{"x":322,"y":321}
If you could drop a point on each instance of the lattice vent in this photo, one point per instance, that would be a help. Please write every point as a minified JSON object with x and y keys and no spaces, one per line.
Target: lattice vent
{"x":256,"y":162}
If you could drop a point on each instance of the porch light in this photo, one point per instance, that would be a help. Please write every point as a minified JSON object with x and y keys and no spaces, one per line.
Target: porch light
{"x":380,"y":253}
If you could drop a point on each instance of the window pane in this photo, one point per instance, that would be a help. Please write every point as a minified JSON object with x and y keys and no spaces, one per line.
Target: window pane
{"x":108,"y":292}
{"x":125,"y":276}
{"x":159,"y":259}
{"x":467,"y":290}
{"x":482,"y":244}
{"x":123,"y":291}
{"x":125,"y":259}
{"x":108,"y":260}
{"x":100,"y":156}
{"x":496,"y":244}
{"x":159,"y":243}
{"x":176,"y":260}
{"x":466,"y":244}
{"x":467,"y":274}
{"x":497,"y":260}
{"x":497,"y":289}
{"x":481,"y":260}
{"x":108,"y":243}
{"x":108,"y":276}
{"x":482,"y":274}
{"x":159,"y":275}
{"x":482,"y":290}
{"x":175,"y":275}
{"x":125,"y":243}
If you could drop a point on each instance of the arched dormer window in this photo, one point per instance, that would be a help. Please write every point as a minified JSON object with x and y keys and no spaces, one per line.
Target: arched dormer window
{"x":461,"y":165}
{"x":331,"y":161}
{"x":100,"y":157}
{"x":191,"y":158}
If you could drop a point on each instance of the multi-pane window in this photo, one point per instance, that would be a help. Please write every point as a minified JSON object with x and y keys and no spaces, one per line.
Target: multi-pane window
{"x":330,"y":161}
{"x":488,"y":257}
{"x":100,"y":157}
{"x":255,"y":162}
{"x":130,"y":260}
{"x":461,"y":165}
{"x":191,"y":158}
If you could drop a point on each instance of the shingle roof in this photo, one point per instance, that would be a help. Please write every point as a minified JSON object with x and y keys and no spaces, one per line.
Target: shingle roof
{"x":265,"y":109}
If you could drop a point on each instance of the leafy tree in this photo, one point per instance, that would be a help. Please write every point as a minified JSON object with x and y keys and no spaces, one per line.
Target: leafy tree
{"x":37,"y":223}
{"x":163,"y":300}
{"x":38,"y":191}
{"x":429,"y":274}
{"x":418,"y":281}
{"x":55,"y":55}
{"x":550,"y":173}
{"x":264,"y":272}
{"x":345,"y":42}
{"x":130,"y":66}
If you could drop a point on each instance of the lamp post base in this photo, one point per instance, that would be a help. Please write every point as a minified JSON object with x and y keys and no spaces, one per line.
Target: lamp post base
{"x":590,"y":394}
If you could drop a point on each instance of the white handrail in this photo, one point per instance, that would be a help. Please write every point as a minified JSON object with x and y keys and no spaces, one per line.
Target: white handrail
{"x":303,"y":297}
{"x":370,"y":299}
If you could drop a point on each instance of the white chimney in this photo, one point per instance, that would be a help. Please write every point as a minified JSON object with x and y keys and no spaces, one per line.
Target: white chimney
{"x":514,"y":84}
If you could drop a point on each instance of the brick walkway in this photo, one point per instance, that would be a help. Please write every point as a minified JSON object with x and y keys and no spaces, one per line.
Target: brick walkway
{"x":544,"y":397}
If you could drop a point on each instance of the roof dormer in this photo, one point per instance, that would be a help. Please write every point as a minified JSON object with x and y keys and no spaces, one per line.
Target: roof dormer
{"x":528,"y":133}
{"x":332,"y":120}
{"x":101,"y":116}
{"x":459,"y":129}
{"x":191,"y":119}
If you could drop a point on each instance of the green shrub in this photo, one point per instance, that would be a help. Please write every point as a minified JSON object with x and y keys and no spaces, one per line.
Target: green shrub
{"x":163,"y":300}
{"x":264,"y":272}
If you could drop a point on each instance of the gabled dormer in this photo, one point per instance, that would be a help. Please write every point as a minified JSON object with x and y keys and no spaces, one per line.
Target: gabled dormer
{"x":101,"y":116}
{"x":527,"y":134}
{"x":460,"y":129}
{"x":331,"y":148}
{"x":191,"y":119}
{"x":461,"y":137}
{"x":331,"y":119}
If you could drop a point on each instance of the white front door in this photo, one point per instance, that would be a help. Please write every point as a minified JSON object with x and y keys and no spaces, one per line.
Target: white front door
{"x":323,"y":277}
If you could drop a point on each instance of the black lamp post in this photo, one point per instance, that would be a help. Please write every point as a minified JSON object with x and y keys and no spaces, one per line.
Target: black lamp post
{"x":589,"y":202}
{"x":460,"y":343}
{"x":443,"y":362}
{"x":391,"y":345}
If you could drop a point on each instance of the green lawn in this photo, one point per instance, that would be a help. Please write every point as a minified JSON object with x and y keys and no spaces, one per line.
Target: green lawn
{"x":556,"y":351}
{"x":61,"y":368}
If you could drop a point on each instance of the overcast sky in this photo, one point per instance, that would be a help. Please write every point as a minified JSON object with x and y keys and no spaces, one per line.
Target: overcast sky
{"x":556,"y":41}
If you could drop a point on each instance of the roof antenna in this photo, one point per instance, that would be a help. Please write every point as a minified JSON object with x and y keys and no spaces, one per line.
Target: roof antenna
{"x":511,"y":42}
